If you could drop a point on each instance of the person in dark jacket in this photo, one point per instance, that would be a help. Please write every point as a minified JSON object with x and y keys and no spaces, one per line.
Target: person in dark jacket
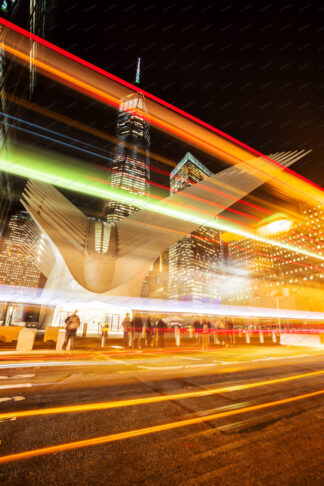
{"x":137,"y":325}
{"x":162,"y":327}
{"x":72,"y":323}
{"x":197,"y":328}
{"x":127,"y":331}
{"x":149,"y":331}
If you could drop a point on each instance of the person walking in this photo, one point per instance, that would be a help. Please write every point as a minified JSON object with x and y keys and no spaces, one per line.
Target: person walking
{"x":161,"y":326}
{"x":137,"y":325}
{"x":204,"y":334}
{"x":127,"y":326}
{"x":149,"y":332}
{"x":72,"y":323}
{"x":197,"y":329}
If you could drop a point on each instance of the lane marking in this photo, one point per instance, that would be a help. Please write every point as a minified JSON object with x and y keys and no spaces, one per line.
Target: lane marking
{"x":110,"y":363}
{"x":56,"y":363}
{"x":23,"y":376}
{"x":187,"y":357}
{"x":18,"y":385}
{"x":149,"y":430}
{"x":87,"y":407}
{"x":15,"y":399}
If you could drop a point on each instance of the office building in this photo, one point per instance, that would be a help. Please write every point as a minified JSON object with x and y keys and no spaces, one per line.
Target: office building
{"x":18,"y":260}
{"x":194,"y":261}
{"x":130,"y":169}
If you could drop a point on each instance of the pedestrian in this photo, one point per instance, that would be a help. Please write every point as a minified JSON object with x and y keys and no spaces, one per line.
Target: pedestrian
{"x":72,"y":323}
{"x":137,"y":327}
{"x":127,"y":330}
{"x":104,"y":334}
{"x":197,"y":329}
{"x":149,"y":332}
{"x":230,"y":327}
{"x":204,"y":334}
{"x":162,"y":327}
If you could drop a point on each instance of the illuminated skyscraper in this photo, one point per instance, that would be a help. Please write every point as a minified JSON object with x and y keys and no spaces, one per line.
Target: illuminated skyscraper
{"x":131,"y":165}
{"x":18,"y":258}
{"x":194,"y":260}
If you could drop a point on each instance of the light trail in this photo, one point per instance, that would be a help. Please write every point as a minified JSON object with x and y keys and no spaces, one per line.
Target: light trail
{"x":150,"y":430}
{"x":263,"y":167}
{"x":81,"y":180}
{"x":54,"y":132}
{"x":135,"y":88}
{"x":51,"y":139}
{"x":160,"y":186}
{"x":265,"y":164}
{"x":150,"y":400}
{"x":114,"y":101}
{"x":100,"y":134}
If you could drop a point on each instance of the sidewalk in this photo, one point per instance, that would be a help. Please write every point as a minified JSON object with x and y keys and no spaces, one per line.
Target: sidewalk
{"x":90,"y":347}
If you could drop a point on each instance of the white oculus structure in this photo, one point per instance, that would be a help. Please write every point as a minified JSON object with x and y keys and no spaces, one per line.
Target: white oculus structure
{"x":96,"y":259}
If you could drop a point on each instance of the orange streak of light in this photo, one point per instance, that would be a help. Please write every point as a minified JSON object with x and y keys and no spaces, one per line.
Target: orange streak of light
{"x":263,"y":167}
{"x":148,"y":400}
{"x":149,"y":430}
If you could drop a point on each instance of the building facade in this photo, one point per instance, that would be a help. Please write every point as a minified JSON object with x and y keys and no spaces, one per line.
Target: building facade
{"x":272,"y":270}
{"x":130,"y":169}
{"x":194,"y":261}
{"x":18,"y":260}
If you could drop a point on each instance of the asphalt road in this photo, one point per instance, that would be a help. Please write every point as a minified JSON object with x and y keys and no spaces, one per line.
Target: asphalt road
{"x":233,"y":416}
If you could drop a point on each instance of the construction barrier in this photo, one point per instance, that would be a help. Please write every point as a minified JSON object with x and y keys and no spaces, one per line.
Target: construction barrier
{"x":9,"y":333}
{"x":26,"y":340}
{"x":51,"y":333}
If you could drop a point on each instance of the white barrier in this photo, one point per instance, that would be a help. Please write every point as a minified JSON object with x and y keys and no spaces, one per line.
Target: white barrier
{"x":247,"y":337}
{"x":26,"y":340}
{"x":60,"y":340}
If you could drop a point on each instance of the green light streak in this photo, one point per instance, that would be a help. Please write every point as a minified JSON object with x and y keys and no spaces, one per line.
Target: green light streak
{"x":93,"y":182}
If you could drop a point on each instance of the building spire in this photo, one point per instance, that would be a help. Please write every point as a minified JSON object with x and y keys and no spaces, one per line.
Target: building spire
{"x":138,"y":71}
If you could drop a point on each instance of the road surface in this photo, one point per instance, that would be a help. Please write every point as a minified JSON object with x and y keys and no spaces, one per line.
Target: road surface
{"x":234,"y":416}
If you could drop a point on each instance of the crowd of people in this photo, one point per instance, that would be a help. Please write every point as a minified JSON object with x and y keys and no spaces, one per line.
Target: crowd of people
{"x":139,"y":333}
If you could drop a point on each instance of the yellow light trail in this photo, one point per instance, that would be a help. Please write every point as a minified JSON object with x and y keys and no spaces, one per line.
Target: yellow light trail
{"x":149,"y":400}
{"x":149,"y":430}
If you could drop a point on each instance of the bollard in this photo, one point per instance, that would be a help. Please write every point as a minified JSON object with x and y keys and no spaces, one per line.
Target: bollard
{"x":60,"y":340}
{"x":26,"y":340}
{"x":177,"y":335}
{"x":216,"y":340}
{"x":261,"y":337}
{"x":233,"y":337}
{"x":104,"y":335}
{"x":84,"y":331}
{"x":247,"y":337}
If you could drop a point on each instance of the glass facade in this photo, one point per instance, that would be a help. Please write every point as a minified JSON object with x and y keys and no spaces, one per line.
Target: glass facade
{"x":131,"y":165}
{"x":194,"y":261}
{"x":21,"y":248}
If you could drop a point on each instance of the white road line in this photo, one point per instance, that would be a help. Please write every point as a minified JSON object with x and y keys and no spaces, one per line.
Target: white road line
{"x":187,"y":357}
{"x":55,"y":363}
{"x":23,"y":376}
{"x":18,"y":385}
{"x":176,"y":367}
{"x":6,"y":377}
{"x":15,"y":399}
